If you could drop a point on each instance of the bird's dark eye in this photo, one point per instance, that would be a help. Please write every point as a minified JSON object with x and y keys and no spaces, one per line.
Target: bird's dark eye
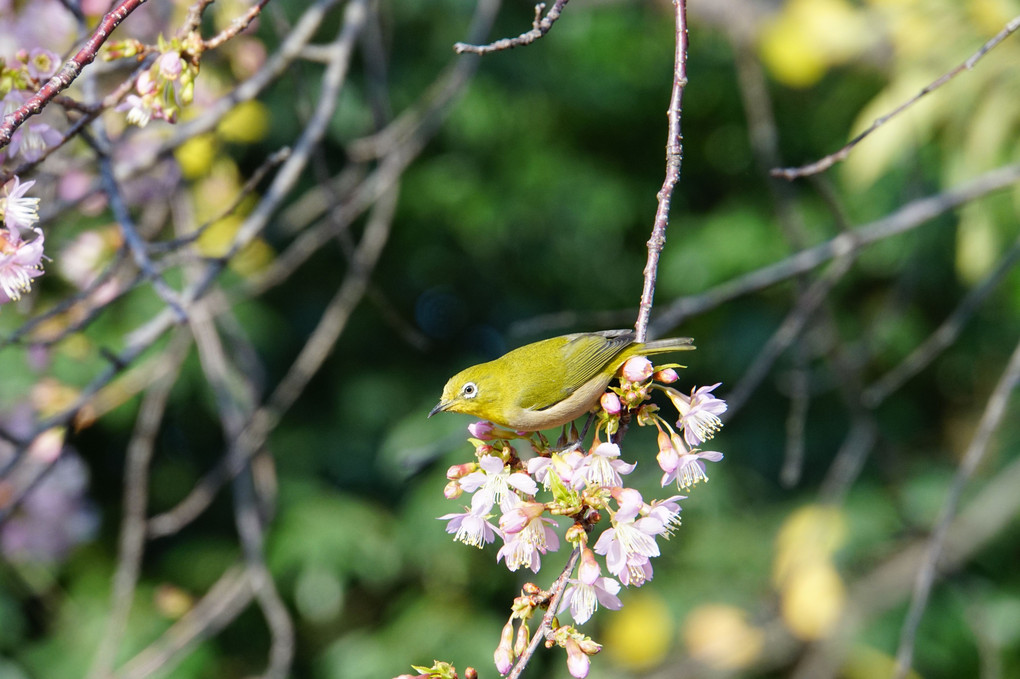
{"x":469,"y":390}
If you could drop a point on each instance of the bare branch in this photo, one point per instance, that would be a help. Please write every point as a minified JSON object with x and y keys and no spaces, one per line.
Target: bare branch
{"x":674,"y":155}
{"x":828,"y":161}
{"x":539,"y":27}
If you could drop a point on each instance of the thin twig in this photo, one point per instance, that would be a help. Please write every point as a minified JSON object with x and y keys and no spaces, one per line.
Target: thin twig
{"x":539,"y":27}
{"x":828,"y":161}
{"x":236,"y":26}
{"x":545,"y":627}
{"x":674,"y":156}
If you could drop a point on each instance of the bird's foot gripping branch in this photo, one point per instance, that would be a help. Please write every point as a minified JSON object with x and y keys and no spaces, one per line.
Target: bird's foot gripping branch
{"x":531,"y":496}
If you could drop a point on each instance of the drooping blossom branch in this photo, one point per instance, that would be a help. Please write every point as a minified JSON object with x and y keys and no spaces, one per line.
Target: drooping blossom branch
{"x":674,"y":156}
{"x":828,"y":161}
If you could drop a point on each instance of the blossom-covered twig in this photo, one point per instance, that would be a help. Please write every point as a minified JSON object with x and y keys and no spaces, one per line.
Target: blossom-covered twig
{"x":828,"y":161}
{"x":674,"y":156}
{"x":539,"y":27}
{"x":67,"y":74}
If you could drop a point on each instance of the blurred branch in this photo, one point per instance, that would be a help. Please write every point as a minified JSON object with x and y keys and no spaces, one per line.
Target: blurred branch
{"x":674,"y":155}
{"x":221,"y":604}
{"x":989,"y":423}
{"x":908,"y":217}
{"x":312,"y":355}
{"x":788,"y":331}
{"x":992,"y":510}
{"x":944,"y":335}
{"x":136,"y":497}
{"x":539,"y":27}
{"x":828,"y":161}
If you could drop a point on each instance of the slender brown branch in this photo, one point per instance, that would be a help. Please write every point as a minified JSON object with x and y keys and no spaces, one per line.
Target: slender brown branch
{"x":674,"y":155}
{"x":828,"y":161}
{"x":544,"y":627}
{"x":539,"y":27}
{"x":236,"y":26}
{"x":69,"y":72}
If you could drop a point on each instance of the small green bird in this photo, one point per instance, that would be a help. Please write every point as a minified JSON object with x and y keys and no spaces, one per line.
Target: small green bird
{"x":548,"y":383}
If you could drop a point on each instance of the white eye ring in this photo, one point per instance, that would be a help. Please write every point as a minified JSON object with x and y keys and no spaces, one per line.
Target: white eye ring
{"x":469,"y":390}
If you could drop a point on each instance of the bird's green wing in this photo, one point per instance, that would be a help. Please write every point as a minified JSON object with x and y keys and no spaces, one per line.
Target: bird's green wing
{"x":582,"y":357}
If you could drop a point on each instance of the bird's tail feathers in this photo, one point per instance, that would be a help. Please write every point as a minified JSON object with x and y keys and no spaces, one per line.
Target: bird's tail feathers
{"x":669,"y":344}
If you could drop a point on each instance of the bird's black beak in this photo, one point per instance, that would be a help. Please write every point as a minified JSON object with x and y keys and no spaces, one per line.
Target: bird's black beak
{"x":440,"y":407}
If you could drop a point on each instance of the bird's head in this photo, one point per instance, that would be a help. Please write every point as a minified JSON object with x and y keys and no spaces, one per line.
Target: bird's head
{"x":473,"y":391}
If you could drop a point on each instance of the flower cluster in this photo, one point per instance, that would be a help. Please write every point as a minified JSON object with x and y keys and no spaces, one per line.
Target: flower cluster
{"x":167,"y":85}
{"x":528,"y":495}
{"x":18,"y":79}
{"x":21,"y":242}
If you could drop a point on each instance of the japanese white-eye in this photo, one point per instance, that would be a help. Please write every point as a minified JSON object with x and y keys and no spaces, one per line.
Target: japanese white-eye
{"x":548,"y":383}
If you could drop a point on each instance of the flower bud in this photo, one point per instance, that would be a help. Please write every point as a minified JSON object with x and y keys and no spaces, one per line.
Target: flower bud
{"x":452,"y":490}
{"x":578,"y":663}
{"x":517,"y":519}
{"x":589,"y":647}
{"x":145,"y":84}
{"x":637,"y":369}
{"x":576,"y":533}
{"x":668,"y":458}
{"x":611,"y":403}
{"x":504,"y":655}
{"x":481,"y":430}
{"x":470,"y":673}
{"x":666,"y":376}
{"x":459,"y":471}
{"x":589,"y":571}
{"x":522,"y":640}
{"x":170,"y":65}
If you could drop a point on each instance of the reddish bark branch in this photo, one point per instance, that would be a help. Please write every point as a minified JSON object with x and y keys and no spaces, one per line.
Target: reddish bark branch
{"x":68,"y":72}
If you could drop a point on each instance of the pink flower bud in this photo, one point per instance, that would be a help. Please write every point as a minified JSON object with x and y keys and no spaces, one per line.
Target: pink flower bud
{"x":481,"y":430}
{"x":452,"y":490}
{"x":667,"y":376}
{"x":459,"y":471}
{"x":146,"y":84}
{"x":588,"y":572}
{"x":578,"y":663}
{"x":668,"y":458}
{"x":171,"y":65}
{"x":522,"y":640}
{"x":517,"y":519}
{"x":637,"y":369}
{"x":504,"y":655}
{"x":611,"y":403}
